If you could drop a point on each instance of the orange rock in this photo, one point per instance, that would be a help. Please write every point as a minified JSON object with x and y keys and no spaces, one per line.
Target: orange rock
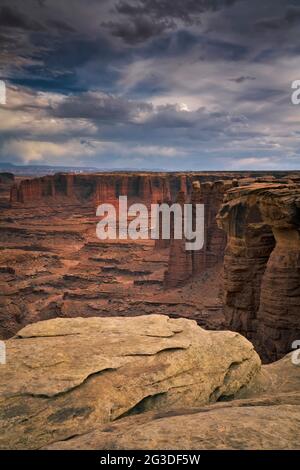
{"x":262,"y":265}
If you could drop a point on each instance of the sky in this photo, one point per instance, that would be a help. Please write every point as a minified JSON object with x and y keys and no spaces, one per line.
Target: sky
{"x":150,"y":84}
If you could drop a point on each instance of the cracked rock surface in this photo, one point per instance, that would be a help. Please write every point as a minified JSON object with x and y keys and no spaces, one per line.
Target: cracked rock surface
{"x":265,"y":415}
{"x":68,"y":377}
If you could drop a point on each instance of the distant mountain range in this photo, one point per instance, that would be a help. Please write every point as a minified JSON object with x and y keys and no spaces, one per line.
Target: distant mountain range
{"x":43,"y":169}
{"x":40,"y":170}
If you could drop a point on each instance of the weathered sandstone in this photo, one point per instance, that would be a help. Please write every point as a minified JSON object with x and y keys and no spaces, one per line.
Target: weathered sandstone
{"x":65,"y":377}
{"x":183,"y":264}
{"x":93,"y":189}
{"x":6,"y":183}
{"x":262,"y":265}
{"x":265,"y":415}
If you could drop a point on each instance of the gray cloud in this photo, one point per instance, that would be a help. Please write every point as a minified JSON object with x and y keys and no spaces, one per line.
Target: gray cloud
{"x":176,"y":9}
{"x":180,"y":84}
{"x":291,"y":18}
{"x":139,"y":28}
{"x":242,"y":79}
{"x":10,"y":18}
{"x":100,"y":107}
{"x":144,"y":19}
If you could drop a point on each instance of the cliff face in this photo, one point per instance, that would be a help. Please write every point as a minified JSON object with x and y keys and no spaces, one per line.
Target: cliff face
{"x":180,"y":261}
{"x":211,"y":195}
{"x":185,"y":264}
{"x":262,"y":265}
{"x":6,"y":183}
{"x":94,"y":189}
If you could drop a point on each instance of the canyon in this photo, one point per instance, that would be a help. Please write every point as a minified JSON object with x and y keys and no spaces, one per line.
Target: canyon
{"x":159,"y":312}
{"x":53,"y":265}
{"x":245,"y":278}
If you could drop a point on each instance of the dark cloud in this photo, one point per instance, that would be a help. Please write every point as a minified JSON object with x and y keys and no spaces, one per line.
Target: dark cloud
{"x":60,"y":26}
{"x":70,"y":63}
{"x":13,"y":19}
{"x":144,"y":19}
{"x":139,"y":29}
{"x":242,"y":79}
{"x":217,"y":49}
{"x":10,"y":18}
{"x":100,"y":107}
{"x":176,"y":9}
{"x":290,"y":19}
{"x":192,"y":83}
{"x":4,"y":40}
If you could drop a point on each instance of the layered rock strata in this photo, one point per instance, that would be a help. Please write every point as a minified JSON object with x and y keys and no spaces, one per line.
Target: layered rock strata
{"x":262,"y":265}
{"x":6,"y":183}
{"x":99,"y":188}
{"x":96,"y":188}
{"x":184,"y":264}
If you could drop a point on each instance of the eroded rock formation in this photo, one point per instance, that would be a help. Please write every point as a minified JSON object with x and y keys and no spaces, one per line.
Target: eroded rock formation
{"x":52,"y":264}
{"x":97,"y":188}
{"x":6,"y":182}
{"x":65,"y":377}
{"x":184,"y":264}
{"x":262,"y":265}
{"x":180,"y":260}
{"x":263,"y":416}
{"x":143,"y":383}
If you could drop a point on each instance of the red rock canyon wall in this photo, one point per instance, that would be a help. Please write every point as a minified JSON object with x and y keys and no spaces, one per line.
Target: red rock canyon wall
{"x":262,"y":265}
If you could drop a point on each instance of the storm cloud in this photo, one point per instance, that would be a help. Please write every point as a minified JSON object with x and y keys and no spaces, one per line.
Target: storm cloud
{"x":173,"y":84}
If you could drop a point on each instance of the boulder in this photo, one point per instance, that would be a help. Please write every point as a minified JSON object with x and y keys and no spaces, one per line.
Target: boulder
{"x":65,"y":377}
{"x":263,"y":416}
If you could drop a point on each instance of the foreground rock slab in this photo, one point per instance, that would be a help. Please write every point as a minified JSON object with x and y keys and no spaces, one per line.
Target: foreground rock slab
{"x":264,"y":416}
{"x":67,"y":377}
{"x":244,"y":428}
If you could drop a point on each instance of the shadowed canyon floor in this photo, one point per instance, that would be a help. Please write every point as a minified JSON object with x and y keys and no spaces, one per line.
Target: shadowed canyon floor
{"x":52,"y":265}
